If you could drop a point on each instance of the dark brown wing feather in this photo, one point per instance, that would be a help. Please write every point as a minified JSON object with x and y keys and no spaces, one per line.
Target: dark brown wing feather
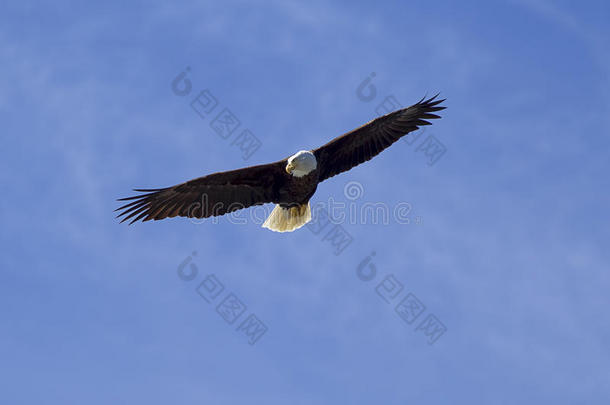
{"x":212,"y":195}
{"x":362,"y":144}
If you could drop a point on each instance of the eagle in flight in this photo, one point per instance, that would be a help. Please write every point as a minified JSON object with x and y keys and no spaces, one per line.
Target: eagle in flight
{"x":289,"y":183}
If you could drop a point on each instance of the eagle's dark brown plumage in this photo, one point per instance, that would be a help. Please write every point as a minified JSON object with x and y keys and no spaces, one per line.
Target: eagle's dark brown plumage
{"x":224,"y":192}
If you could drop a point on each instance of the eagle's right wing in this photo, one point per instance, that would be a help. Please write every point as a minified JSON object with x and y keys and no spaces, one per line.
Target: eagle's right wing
{"x":212,"y":195}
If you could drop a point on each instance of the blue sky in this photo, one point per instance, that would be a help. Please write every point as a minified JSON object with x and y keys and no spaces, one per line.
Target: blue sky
{"x":505,"y":245}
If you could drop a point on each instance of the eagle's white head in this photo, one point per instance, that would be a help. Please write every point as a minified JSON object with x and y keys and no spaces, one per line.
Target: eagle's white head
{"x":301,"y":163}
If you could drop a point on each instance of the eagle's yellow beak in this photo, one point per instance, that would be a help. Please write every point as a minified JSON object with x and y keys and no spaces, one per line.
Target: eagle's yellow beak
{"x":289,"y":168}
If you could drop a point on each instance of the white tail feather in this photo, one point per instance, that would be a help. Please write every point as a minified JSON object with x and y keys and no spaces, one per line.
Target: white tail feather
{"x":288,"y":219}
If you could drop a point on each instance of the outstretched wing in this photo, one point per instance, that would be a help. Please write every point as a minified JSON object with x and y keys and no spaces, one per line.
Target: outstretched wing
{"x":362,"y":144}
{"x":212,"y":195}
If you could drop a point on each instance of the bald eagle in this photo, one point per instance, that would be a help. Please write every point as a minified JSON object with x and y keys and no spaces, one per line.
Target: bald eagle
{"x":289,"y":183}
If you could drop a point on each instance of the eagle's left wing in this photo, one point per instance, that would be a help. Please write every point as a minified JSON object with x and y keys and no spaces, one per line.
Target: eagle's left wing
{"x":362,"y":144}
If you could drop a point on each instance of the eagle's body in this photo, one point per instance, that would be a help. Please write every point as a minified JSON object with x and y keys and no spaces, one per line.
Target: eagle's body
{"x":301,"y":180}
{"x":289,"y":183}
